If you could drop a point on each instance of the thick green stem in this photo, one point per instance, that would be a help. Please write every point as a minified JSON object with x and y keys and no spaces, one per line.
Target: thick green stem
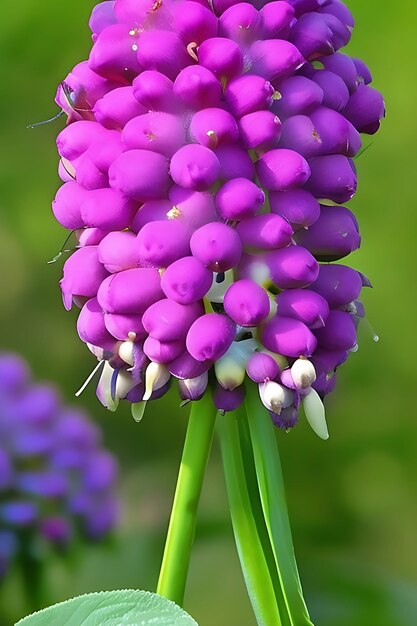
{"x":176,"y":559}
{"x":272,"y":494}
{"x":248,"y":526}
{"x":33,"y":582}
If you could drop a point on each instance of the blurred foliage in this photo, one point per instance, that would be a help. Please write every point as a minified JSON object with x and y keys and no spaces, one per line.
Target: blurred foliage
{"x":352,"y":500}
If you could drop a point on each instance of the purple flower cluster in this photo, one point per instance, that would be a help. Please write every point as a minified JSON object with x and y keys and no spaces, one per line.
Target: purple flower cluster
{"x":207,"y":157}
{"x":56,"y":481}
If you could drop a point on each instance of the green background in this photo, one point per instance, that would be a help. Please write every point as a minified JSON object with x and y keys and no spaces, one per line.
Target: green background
{"x":352,"y":499}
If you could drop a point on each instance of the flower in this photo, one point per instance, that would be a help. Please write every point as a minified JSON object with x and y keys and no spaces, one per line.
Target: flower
{"x":208,"y":153}
{"x":56,"y":480}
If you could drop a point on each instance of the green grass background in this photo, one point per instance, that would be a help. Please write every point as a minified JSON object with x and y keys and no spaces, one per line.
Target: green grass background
{"x":352,"y":499}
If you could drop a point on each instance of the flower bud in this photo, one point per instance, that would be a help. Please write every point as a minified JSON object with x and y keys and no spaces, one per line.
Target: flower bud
{"x":117,"y":108}
{"x":226,"y":400}
{"x":193,"y":388}
{"x":210,"y":336}
{"x":162,"y":50}
{"x":306,"y":306}
{"x":194,"y":167}
{"x":217,"y":246}
{"x":298,"y":206}
{"x":153,"y":91}
{"x":282,"y":170}
{"x":314,"y":412}
{"x":186,"y":280}
{"x":239,"y":198}
{"x":247,"y":303}
{"x":150,"y":185}
{"x":221,"y":56}
{"x":288,"y":337}
{"x":265,"y":232}
{"x":248,"y":94}
{"x":198,"y":87}
{"x":273,"y":396}
{"x":292,"y":267}
{"x":303,"y":373}
{"x":261,"y":367}
{"x":299,"y":96}
{"x":274,"y":58}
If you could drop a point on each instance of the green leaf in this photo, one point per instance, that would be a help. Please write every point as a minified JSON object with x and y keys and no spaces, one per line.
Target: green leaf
{"x":272,"y":492}
{"x":112,"y":608}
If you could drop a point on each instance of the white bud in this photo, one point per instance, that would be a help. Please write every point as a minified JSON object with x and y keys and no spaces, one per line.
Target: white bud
{"x":315,"y":413}
{"x":273,"y":396}
{"x":156,"y":376}
{"x":124,"y":384}
{"x":303,"y":373}
{"x":126,"y":352}
{"x":230,"y":369}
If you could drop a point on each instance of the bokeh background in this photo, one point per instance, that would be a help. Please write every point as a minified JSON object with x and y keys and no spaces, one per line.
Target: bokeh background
{"x":352,"y":499}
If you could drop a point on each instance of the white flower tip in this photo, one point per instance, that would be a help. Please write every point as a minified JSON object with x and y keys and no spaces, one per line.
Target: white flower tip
{"x":315,"y":414}
{"x":303,"y":373}
{"x":273,"y":396}
{"x":155,"y":377}
{"x":126,"y":352}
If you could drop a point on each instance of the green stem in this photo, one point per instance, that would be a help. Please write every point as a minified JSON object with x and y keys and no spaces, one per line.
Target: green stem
{"x":180,"y":537}
{"x":247,"y":526}
{"x":33,"y":582}
{"x":272,"y":493}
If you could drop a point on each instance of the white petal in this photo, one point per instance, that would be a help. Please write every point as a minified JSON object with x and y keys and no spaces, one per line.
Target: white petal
{"x":156,"y":376}
{"x":126,"y":352}
{"x":104,"y":389}
{"x":124,"y":384}
{"x":303,"y":373}
{"x":273,"y":396}
{"x":315,"y":414}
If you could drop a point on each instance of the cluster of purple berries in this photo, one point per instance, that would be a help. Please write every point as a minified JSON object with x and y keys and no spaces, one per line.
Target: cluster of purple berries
{"x":208,"y":152}
{"x":56,"y":481}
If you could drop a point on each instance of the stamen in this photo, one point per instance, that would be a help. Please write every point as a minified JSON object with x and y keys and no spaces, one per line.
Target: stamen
{"x":63,"y":249}
{"x":51,"y":119}
{"x":191,"y":49}
{"x":90,"y":377}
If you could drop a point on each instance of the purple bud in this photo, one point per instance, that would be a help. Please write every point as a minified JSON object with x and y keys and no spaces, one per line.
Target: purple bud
{"x":338,"y":284}
{"x":117,"y":251}
{"x":306,"y":306}
{"x":186,"y":280}
{"x":247,"y":94}
{"x":234,"y":163}
{"x":91,"y":327}
{"x":247,"y":303}
{"x":213,"y":127}
{"x":292,"y":267}
{"x":332,"y":177}
{"x":312,"y":36}
{"x":339,"y":333}
{"x":363,"y":72}
{"x":90,"y":237}
{"x":186,"y":366}
{"x":289,"y":337}
{"x":167,"y":320}
{"x":261,"y":367}
{"x":102,"y":16}
{"x":162,"y":50}
{"x":344,"y":66}
{"x":192,"y":207}
{"x":239,"y":198}
{"x":210,"y":336}
{"x":117,"y":107}
{"x":76,"y":281}
{"x":67,"y":203}
{"x":335,"y":92}
{"x":282,"y":170}
{"x":365,"y":109}
{"x":193,"y":388}
{"x":107,"y":209}
{"x":298,"y":206}
{"x":130,"y":291}
{"x":151,"y":211}
{"x":193,"y":22}
{"x":162,"y":351}
{"x":221,"y":56}
{"x":121,"y":326}
{"x":156,"y":131}
{"x":150,"y":185}
{"x":160,"y":243}
{"x":226,"y":400}
{"x":113,"y":55}
{"x":265,"y":232}
{"x":259,"y":130}
{"x":198,"y":87}
{"x":287,"y":419}
{"x":217,"y":246}
{"x":153,"y":91}
{"x":195,"y":167}
{"x":75,"y":139}
{"x":277,"y":20}
{"x":299,"y":96}
{"x":274,"y":58}
{"x":333,"y":236}
{"x":240,"y":22}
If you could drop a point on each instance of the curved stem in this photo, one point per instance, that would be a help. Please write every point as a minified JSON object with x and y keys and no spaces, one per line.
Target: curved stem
{"x":247,"y":526}
{"x":272,"y":493}
{"x":180,"y":537}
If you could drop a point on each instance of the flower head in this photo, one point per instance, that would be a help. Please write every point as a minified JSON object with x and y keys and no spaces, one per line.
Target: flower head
{"x":209,"y":151}
{"x":56,"y":480}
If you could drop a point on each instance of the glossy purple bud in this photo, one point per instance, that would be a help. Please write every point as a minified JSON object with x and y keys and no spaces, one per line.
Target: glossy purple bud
{"x":365,"y":109}
{"x":160,"y":243}
{"x":213,"y":127}
{"x":89,"y":175}
{"x":194,"y":208}
{"x":277,"y":20}
{"x":226,"y":400}
{"x":217,"y":246}
{"x":67,"y":204}
{"x":335,"y":92}
{"x":186,"y":280}
{"x":162,"y":351}
{"x":282,"y":170}
{"x":107,"y":210}
{"x":338,"y":9}
{"x":186,"y":366}
{"x":289,"y":337}
{"x":363,"y":72}
{"x":150,"y":211}
{"x":259,"y":130}
{"x":247,"y":303}
{"x":312,"y":36}
{"x":338,"y":284}
{"x":122,"y":326}
{"x":287,"y":418}
{"x":193,"y":22}
{"x":234,"y":163}
{"x":153,"y":90}
{"x":117,"y":107}
{"x":265,"y":232}
{"x":247,"y":94}
{"x":274,"y":58}
{"x":298,"y":206}
{"x":341,"y":33}
{"x":153,"y":181}
{"x":239,"y":198}
{"x":305,"y":6}
{"x":102,"y":16}
{"x":90,"y":236}
{"x":306,"y":306}
{"x":195,"y":167}
{"x":339,"y":333}
{"x":333,"y":236}
{"x":221,"y":56}
{"x":332,"y":177}
{"x":91,"y":327}
{"x":163,"y":51}
{"x":292,"y":267}
{"x":240,"y":22}
{"x":344,"y":66}
{"x":113,"y":55}
{"x":76,"y":281}
{"x":210,"y":337}
{"x":299,"y":96}
{"x":157,"y":131}
{"x":130,"y":291}
{"x":167,"y":320}
{"x":193,"y":388}
{"x":261,"y":367}
{"x":75,"y":139}
{"x":118,"y":251}
{"x":198,"y":87}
